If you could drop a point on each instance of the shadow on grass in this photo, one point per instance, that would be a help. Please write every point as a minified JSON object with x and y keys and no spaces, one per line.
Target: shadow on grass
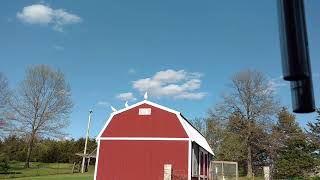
{"x":8,"y":173}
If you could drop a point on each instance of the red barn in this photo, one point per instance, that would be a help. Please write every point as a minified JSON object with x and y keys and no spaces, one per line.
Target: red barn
{"x":137,"y":141}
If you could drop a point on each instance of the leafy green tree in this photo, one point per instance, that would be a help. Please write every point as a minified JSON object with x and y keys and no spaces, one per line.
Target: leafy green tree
{"x":253,"y":100}
{"x":214,"y":133}
{"x":233,"y":147}
{"x":295,"y":155}
{"x":233,"y":142}
{"x":14,"y":147}
{"x":4,"y":163}
{"x":45,"y":150}
{"x":314,"y":132}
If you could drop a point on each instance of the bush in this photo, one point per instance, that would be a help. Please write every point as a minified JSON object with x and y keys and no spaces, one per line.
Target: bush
{"x":4,"y":163}
{"x":315,"y":178}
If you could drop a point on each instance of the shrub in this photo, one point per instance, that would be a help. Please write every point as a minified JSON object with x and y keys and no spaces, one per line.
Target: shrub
{"x":4,"y":163}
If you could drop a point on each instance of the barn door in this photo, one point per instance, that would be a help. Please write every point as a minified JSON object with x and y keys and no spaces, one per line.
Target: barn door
{"x":204,"y":167}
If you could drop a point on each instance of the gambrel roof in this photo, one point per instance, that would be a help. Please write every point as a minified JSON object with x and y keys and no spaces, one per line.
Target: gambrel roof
{"x":193,"y":134}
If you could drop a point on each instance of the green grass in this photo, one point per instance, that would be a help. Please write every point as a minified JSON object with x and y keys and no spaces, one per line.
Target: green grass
{"x":43,"y":170}
{"x":255,"y":178}
{"x":77,"y":176}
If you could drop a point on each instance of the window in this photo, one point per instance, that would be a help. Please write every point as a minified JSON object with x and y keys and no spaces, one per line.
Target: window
{"x":144,"y":111}
{"x":195,"y":160}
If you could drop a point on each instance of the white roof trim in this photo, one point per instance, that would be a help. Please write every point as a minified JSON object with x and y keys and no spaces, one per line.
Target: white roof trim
{"x":197,"y":137}
{"x":192,"y":133}
{"x":144,"y":138}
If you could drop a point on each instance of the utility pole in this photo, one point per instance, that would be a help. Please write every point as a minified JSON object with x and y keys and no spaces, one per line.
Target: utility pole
{"x":86,"y":142}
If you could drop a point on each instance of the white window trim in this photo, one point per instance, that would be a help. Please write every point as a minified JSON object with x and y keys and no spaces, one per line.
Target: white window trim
{"x":204,"y":152}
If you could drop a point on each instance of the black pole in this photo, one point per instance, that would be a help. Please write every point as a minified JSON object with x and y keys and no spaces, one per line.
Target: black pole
{"x":295,"y":54}
{"x":302,"y":96}
{"x":294,"y":40}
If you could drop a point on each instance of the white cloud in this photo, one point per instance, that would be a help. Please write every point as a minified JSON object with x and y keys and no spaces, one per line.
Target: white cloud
{"x":193,"y":84}
{"x":36,"y":14}
{"x":191,"y":96}
{"x":170,"y":76}
{"x":103,"y":103}
{"x":131,"y":71}
{"x":45,"y":15}
{"x":126,"y":96}
{"x":170,"y":83}
{"x":276,"y":83}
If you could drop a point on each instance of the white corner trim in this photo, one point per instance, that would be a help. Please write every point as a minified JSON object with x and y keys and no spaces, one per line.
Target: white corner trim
{"x":182,"y":122}
{"x":189,"y":159}
{"x":105,"y":126}
{"x":97,"y":160}
{"x":143,"y":139}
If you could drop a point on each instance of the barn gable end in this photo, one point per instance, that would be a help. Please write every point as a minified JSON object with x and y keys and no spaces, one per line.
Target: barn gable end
{"x":144,"y":137}
{"x":161,"y":123}
{"x":145,"y":120}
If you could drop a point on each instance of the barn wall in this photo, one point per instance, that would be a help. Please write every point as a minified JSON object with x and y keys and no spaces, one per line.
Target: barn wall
{"x":141,"y":160}
{"x":160,"y":123}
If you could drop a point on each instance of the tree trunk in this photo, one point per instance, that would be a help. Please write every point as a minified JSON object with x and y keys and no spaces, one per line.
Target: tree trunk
{"x":30,"y":144}
{"x":249,"y":162}
{"x":271,"y":176}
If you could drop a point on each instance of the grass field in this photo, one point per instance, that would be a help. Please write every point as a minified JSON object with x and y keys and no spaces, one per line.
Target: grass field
{"x":54,"y":171}
{"x":78,"y":176}
{"x":44,"y":171}
{"x":86,"y":176}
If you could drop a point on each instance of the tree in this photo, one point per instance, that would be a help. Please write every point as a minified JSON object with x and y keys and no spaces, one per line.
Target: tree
{"x":4,"y":99}
{"x":252,"y":98}
{"x":294,"y":155}
{"x":4,"y":163}
{"x":232,"y":144}
{"x":14,"y":147}
{"x":42,"y":104}
{"x":314,"y":131}
{"x":214,"y":133}
{"x":200,"y":125}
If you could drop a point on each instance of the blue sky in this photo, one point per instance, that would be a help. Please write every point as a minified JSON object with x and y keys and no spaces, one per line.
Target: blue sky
{"x":108,"y":47}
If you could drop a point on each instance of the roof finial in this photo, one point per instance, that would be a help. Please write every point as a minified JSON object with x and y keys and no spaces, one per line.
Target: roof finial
{"x":146,"y":96}
{"x":113,"y":109}
{"x":126,"y":104}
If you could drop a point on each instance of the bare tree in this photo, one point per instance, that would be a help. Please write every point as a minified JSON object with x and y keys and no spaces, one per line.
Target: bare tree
{"x":4,"y":104}
{"x":252,"y":97}
{"x":199,"y":124}
{"x":42,"y":104}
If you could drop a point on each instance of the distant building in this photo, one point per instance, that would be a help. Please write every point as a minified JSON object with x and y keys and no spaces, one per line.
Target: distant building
{"x":139,"y":140}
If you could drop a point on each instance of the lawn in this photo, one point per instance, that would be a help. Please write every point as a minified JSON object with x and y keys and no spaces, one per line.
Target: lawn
{"x":44,"y":171}
{"x":78,"y":176}
{"x":54,"y":171}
